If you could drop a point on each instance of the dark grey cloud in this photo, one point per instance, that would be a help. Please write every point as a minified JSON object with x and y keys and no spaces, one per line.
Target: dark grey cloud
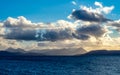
{"x":21,"y":29}
{"x":93,"y":30}
{"x":64,"y":34}
{"x":82,"y":33}
{"x":115,"y":25}
{"x":81,"y":36}
{"x":47,"y":35}
{"x":20,"y":34}
{"x":54,"y":35}
{"x":88,"y":16}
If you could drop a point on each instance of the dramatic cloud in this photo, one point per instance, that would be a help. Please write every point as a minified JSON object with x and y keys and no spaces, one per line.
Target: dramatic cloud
{"x":89,"y":30}
{"x":81,"y":36}
{"x":54,"y":35}
{"x":88,"y":16}
{"x":20,"y":34}
{"x":115,"y":25}
{"x":93,"y":30}
{"x":23,"y":29}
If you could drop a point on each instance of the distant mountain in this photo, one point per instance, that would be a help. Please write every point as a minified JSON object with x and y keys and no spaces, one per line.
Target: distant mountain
{"x":103,"y":52}
{"x":15,"y":50}
{"x":59,"y":52}
{"x":20,"y":54}
{"x":53,"y":52}
{"x":56,"y":52}
{"x":65,"y":52}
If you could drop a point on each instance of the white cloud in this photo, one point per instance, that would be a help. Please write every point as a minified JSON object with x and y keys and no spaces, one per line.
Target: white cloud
{"x":98,"y":4}
{"x":100,"y":9}
{"x":20,"y":21}
{"x":107,"y":10}
{"x":74,"y":3}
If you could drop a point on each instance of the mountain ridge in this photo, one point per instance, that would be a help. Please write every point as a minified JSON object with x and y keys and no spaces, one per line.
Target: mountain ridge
{"x":50,"y":52}
{"x":56,"y":52}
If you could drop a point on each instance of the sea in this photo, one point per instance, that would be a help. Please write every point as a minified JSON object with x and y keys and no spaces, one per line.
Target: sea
{"x":62,"y":65}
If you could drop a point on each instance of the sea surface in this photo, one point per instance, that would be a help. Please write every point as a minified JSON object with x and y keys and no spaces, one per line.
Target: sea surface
{"x":54,"y":65}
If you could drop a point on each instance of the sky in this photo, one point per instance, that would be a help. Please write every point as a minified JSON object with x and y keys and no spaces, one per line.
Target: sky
{"x":58,"y":24}
{"x":39,"y":10}
{"x":45,"y":10}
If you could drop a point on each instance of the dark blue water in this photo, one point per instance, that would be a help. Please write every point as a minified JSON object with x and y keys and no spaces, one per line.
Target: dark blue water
{"x":84,"y":65}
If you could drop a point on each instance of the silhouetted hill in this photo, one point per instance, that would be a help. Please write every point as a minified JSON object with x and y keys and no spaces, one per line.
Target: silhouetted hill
{"x":53,"y":52}
{"x":15,"y":50}
{"x":103,"y":52}
{"x":20,"y":54}
{"x":6,"y":53}
{"x":61,"y":52}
